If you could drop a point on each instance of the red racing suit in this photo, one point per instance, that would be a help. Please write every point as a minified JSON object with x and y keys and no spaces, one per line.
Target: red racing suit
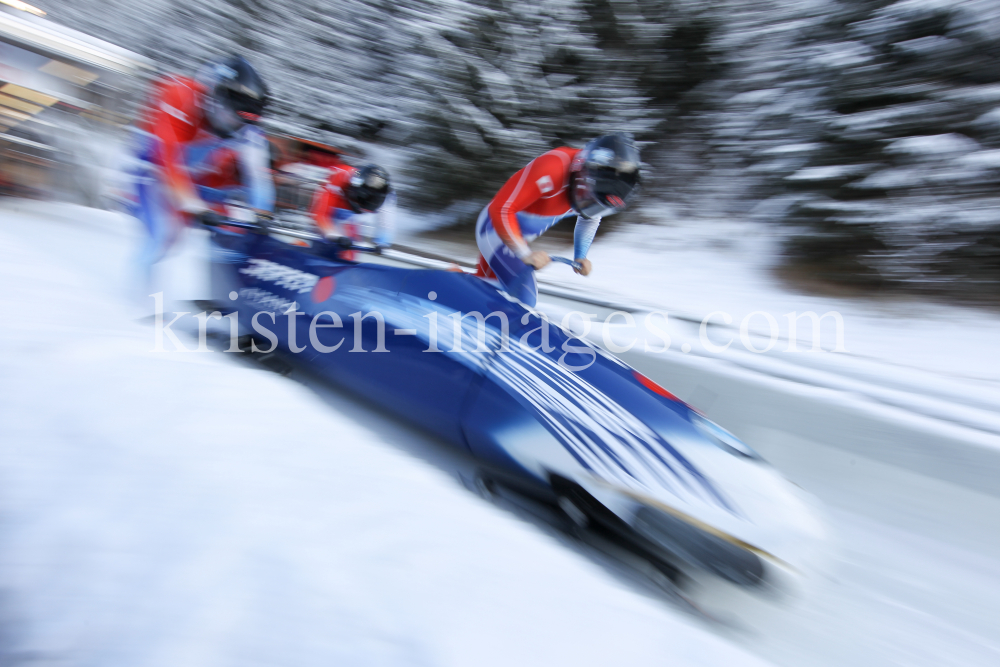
{"x":195,"y":165}
{"x":333,"y":214}
{"x":174,"y":118}
{"x":182,"y":168}
{"x":529,"y":203}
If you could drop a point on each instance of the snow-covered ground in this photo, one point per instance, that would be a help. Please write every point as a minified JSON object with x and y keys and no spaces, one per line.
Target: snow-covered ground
{"x":185,"y":509}
{"x":692,"y":268}
{"x":167,"y":508}
{"x":697,"y":267}
{"x":899,"y":435}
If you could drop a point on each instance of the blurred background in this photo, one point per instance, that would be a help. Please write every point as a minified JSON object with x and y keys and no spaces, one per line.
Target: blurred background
{"x":868,"y":128}
{"x":800,"y":156}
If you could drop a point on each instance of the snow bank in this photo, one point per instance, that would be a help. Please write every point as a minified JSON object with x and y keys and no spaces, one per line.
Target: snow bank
{"x":874,"y":433}
{"x":182,"y":509}
{"x":696,"y":267}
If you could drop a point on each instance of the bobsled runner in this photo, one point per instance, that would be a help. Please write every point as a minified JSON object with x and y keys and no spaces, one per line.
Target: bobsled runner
{"x":546,"y":414}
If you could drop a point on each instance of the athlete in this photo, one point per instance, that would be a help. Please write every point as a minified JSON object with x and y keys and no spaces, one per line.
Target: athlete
{"x":593,"y":182}
{"x":350,"y":193}
{"x":199,"y":146}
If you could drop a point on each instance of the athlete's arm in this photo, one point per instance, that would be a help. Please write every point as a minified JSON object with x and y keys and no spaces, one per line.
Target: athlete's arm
{"x":320,"y":210}
{"x":173,"y":119}
{"x":255,"y":168}
{"x":539,"y":178}
{"x":583,"y":236}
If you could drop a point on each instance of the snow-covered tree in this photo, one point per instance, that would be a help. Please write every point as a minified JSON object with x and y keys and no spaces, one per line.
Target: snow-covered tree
{"x":900,"y":182}
{"x":516,"y":78}
{"x":873,"y":126}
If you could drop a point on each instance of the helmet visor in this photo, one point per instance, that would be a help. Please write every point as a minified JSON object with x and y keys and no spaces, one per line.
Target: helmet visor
{"x":602,"y":192}
{"x":246,"y":103}
{"x":590,"y":208}
{"x":369,"y":200}
{"x":369,"y":190}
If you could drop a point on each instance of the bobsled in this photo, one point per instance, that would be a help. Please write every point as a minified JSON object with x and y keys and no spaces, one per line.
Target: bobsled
{"x":545,"y":413}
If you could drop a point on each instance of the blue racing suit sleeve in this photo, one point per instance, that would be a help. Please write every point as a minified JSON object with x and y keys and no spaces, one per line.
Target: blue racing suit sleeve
{"x":583,"y":236}
{"x":255,"y":159}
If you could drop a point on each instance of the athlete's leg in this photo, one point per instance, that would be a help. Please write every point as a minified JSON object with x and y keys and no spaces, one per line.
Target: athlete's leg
{"x":352,"y":232}
{"x":163,"y":225}
{"x":151,"y":214}
{"x":516,"y":277}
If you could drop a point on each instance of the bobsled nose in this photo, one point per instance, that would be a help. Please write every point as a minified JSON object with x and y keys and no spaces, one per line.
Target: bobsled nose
{"x":728,"y":558}
{"x":774,"y":537}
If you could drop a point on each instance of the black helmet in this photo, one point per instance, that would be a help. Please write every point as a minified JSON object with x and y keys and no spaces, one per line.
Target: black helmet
{"x":604,"y":176}
{"x":236,"y":95}
{"x":368,"y":189}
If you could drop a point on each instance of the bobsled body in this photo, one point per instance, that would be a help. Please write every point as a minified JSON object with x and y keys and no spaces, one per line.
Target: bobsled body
{"x":544,"y":410}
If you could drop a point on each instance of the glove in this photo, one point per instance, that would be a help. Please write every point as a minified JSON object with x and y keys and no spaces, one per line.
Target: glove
{"x":264,"y":222}
{"x":210,"y":218}
{"x":537,"y":260}
{"x":344,"y":242}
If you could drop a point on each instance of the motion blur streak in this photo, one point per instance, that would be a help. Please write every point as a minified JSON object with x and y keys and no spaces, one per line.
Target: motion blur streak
{"x":189,"y":508}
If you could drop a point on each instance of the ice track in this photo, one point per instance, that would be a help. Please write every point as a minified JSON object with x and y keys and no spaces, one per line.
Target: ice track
{"x":140,"y":525}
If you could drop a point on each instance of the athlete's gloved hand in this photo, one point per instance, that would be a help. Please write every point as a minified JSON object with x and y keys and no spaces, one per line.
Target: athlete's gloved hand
{"x":264,"y":219}
{"x":345,"y":242}
{"x":537,"y":260}
{"x":210,"y":218}
{"x":585,"y":266}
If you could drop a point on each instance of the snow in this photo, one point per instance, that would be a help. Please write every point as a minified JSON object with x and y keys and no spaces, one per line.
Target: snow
{"x":930,"y":360}
{"x":790,"y":148}
{"x":890,"y":117}
{"x":843,"y":54}
{"x":928,"y":47}
{"x":827,"y":173}
{"x":982,"y":159}
{"x":937,"y":144}
{"x":990,"y":118}
{"x":695,"y":267}
{"x":889,"y":178}
{"x":169,"y":508}
{"x":976,"y":94}
{"x":184,"y":509}
{"x":756,"y":96}
{"x":842,"y":79}
{"x":898,"y":436}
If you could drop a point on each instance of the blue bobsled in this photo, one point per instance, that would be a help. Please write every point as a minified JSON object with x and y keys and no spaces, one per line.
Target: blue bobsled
{"x":548,"y":414}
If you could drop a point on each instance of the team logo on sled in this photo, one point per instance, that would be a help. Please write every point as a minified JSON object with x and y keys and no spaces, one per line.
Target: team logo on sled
{"x":281,"y":275}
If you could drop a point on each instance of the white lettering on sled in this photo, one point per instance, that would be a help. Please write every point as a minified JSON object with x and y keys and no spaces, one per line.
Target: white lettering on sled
{"x":281,"y":275}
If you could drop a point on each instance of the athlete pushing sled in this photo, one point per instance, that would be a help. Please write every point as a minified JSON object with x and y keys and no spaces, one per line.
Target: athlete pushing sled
{"x":592,"y":182}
